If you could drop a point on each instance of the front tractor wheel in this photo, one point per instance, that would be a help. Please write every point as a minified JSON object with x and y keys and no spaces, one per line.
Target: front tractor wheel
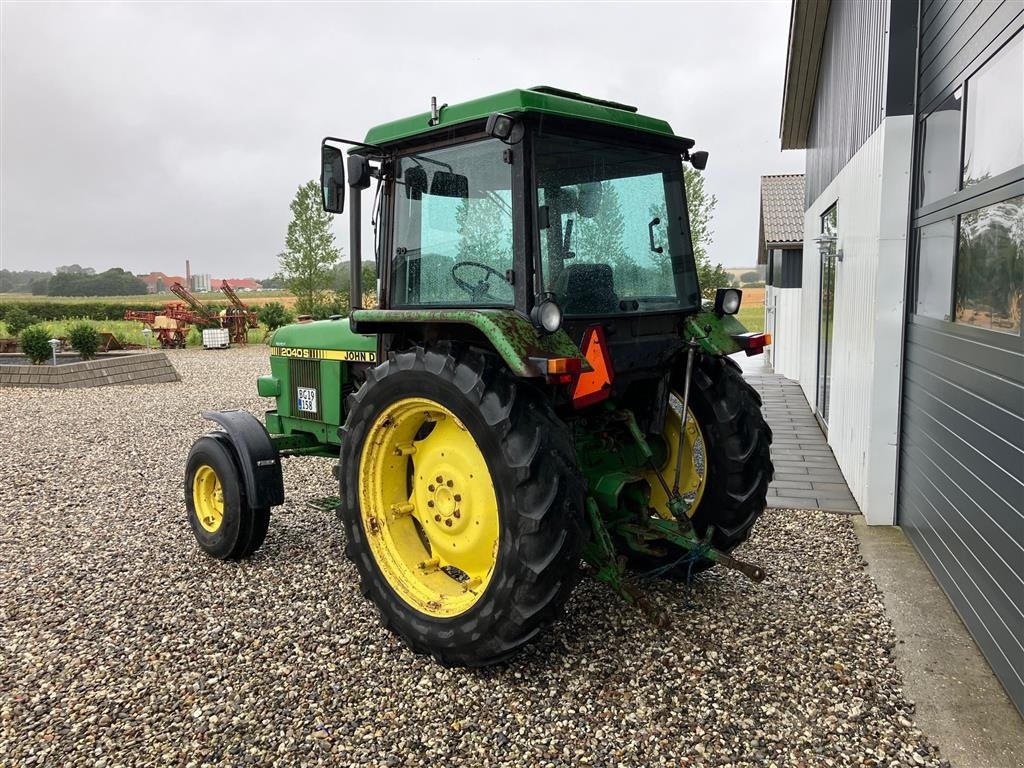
{"x":462,"y":504}
{"x":218,"y":510}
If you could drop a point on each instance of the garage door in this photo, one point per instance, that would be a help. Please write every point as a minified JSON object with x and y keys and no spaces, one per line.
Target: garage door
{"x":961,"y":471}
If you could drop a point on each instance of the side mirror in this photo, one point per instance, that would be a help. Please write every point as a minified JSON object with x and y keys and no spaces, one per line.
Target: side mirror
{"x":699,"y":160}
{"x":332,"y":179}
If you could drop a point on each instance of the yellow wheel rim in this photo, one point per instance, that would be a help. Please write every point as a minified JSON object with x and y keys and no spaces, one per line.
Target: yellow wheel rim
{"x":428,"y":507}
{"x":208,"y":498}
{"x":694,"y":474}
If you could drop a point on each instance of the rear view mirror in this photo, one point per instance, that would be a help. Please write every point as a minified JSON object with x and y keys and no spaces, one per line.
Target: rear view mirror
{"x":332,"y":179}
{"x":415,"y":183}
{"x":446,"y":184}
{"x":588,"y":200}
{"x":699,"y":160}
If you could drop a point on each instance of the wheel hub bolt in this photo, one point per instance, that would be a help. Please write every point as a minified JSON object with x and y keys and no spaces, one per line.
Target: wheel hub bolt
{"x":430,"y":503}
{"x":457,"y":513}
{"x":448,"y":522}
{"x":440,"y":479}
{"x":457,"y":497}
{"x":437,"y":518}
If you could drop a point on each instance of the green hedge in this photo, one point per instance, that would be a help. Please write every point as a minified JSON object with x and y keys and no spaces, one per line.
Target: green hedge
{"x":88,"y":310}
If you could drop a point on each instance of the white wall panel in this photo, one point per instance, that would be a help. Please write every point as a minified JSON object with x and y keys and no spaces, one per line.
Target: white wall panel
{"x":782,"y":320}
{"x":872,"y":195}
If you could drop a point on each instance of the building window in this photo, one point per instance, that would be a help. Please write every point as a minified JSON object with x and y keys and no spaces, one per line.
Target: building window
{"x":785,"y":268}
{"x":994,"y":127}
{"x":940,"y":150}
{"x":936,"y":249}
{"x":990,"y":266}
{"x":970,"y":243}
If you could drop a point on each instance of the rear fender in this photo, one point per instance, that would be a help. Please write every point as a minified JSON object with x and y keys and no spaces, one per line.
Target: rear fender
{"x":715,"y":333}
{"x":258,"y":459}
{"x":524,"y":349}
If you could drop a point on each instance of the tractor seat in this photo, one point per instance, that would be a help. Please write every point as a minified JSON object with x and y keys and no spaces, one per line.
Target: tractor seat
{"x":588,"y":289}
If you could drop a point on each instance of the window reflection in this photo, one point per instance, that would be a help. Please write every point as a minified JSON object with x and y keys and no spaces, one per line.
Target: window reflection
{"x":994,"y":130}
{"x":936,"y":248}
{"x":990,"y":266}
{"x":940,"y":151}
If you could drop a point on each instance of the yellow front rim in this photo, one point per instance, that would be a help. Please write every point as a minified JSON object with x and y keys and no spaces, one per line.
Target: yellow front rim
{"x":428,"y":507}
{"x":694,"y":474}
{"x":208,"y":498}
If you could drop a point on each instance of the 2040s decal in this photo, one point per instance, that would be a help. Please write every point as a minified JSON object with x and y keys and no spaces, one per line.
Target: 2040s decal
{"x":345,"y":355}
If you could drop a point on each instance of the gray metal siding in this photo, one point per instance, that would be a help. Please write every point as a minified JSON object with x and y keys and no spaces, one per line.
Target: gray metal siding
{"x":961,"y":493}
{"x":849,"y":101}
{"x":960,"y":32}
{"x":961,"y":474}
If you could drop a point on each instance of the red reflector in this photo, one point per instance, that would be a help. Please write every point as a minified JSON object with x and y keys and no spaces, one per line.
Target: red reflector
{"x":560,"y":378}
{"x":753,"y":343}
{"x":559,"y":365}
{"x":596,"y":384}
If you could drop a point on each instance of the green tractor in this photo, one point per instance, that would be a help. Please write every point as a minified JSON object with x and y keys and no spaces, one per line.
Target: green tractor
{"x":541,"y":383}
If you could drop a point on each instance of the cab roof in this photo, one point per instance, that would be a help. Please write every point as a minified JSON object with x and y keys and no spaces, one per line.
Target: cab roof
{"x":540,"y":99}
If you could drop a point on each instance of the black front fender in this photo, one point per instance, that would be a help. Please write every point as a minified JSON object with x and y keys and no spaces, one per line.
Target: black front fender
{"x":258,"y":459}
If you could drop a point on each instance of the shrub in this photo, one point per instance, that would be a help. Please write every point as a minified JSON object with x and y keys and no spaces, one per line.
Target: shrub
{"x":17,"y":320}
{"x":35,"y":344}
{"x":85,"y":340}
{"x":750,"y":277}
{"x":275,"y":314}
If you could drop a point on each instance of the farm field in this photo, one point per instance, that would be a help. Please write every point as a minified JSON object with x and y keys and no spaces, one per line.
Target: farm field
{"x":751,"y":312}
{"x":213,"y":297}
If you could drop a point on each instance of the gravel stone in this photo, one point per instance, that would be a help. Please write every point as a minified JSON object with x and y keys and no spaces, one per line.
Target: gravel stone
{"x":121,"y":644}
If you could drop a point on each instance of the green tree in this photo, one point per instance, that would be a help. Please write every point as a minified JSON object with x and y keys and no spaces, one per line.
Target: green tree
{"x":310,"y":254}
{"x":484,"y":227}
{"x":485,"y":232}
{"x":701,"y":207}
{"x":274,"y":314}
{"x":600,"y":237}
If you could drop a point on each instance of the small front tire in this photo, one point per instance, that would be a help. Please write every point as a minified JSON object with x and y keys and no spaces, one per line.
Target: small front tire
{"x":224,"y":524}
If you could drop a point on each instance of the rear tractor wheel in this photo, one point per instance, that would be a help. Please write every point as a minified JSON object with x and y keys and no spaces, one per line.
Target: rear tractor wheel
{"x":727,"y":463}
{"x":462,"y":505}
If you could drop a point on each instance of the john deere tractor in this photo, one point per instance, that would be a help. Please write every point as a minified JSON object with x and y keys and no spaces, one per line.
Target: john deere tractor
{"x":541,"y":384}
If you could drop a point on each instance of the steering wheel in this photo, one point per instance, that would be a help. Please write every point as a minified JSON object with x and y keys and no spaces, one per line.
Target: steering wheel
{"x":482,"y":287}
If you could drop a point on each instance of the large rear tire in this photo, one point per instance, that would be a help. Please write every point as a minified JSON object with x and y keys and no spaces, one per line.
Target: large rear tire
{"x":462,"y":504}
{"x":737,"y":463}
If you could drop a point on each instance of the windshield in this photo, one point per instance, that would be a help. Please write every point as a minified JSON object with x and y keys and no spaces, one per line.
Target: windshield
{"x":614,"y":231}
{"x":453,"y":227}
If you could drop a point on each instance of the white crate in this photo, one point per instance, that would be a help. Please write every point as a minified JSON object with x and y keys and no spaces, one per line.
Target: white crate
{"x":216,"y":338}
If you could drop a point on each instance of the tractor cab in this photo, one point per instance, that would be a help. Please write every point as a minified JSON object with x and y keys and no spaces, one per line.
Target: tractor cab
{"x":544,"y":210}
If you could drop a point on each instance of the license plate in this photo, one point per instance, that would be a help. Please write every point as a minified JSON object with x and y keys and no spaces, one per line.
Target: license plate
{"x":307,"y":399}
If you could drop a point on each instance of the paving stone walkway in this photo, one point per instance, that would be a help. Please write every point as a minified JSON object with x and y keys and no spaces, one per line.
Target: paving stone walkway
{"x":806,"y":473}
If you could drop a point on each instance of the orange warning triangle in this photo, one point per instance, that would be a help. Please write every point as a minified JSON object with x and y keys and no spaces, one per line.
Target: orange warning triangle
{"x":594,"y":385}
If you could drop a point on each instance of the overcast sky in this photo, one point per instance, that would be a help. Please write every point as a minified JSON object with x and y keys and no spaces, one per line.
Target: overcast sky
{"x":139,"y":135}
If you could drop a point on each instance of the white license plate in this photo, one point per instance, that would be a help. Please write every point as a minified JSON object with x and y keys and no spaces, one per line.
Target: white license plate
{"x":307,"y":399}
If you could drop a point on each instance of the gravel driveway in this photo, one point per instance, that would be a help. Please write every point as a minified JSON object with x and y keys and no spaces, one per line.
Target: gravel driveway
{"x":121,"y":644}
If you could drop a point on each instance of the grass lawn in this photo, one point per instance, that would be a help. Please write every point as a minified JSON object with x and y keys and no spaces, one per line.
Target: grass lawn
{"x":752,"y":317}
